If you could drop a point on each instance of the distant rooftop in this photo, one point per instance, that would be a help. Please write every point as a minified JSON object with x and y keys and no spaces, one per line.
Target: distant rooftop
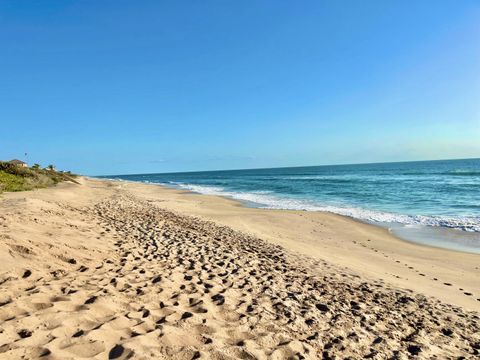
{"x":17,"y":162}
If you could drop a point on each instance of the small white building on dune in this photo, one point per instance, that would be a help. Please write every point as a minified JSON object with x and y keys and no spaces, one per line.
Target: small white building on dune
{"x":18,"y":163}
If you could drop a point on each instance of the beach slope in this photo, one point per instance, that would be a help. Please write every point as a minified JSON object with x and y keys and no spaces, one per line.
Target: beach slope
{"x":115,"y":270}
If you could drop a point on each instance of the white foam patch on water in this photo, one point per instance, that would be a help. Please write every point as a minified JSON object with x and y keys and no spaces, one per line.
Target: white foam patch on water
{"x":265,"y":199}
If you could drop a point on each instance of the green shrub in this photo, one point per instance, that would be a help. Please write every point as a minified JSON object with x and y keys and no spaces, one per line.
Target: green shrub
{"x":10,"y":182}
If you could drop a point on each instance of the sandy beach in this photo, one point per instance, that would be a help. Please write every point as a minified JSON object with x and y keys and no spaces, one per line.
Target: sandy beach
{"x":117,"y":270}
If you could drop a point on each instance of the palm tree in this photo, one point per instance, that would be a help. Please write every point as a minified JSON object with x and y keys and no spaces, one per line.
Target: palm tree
{"x":36,"y":166}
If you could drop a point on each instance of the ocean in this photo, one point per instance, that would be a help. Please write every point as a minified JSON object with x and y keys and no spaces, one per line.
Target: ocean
{"x":431,"y":202}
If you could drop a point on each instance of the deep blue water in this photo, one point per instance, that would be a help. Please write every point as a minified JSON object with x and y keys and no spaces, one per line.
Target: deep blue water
{"x":430,"y":194}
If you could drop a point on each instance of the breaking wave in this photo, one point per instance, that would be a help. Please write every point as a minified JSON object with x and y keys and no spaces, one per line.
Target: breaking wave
{"x":266,"y":199}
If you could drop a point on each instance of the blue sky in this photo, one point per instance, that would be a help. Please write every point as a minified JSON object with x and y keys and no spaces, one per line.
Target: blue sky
{"x":115,"y":87}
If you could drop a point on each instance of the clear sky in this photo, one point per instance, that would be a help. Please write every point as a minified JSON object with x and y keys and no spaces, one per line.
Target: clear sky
{"x":115,"y":87}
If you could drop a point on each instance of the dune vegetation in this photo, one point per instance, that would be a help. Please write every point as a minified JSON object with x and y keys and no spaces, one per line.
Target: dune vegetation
{"x":17,"y":178}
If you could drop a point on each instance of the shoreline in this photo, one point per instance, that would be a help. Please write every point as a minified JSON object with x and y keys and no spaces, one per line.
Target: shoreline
{"x":104,"y":269}
{"x":373,"y":252}
{"x":388,"y":227}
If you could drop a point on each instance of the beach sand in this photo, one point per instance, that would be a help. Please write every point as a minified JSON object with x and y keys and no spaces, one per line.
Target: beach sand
{"x":111,"y":270}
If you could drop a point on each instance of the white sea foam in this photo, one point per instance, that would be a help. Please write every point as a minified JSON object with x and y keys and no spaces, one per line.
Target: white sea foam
{"x":265,"y":199}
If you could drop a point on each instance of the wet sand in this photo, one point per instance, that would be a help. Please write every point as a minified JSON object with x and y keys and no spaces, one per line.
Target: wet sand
{"x":119,"y":270}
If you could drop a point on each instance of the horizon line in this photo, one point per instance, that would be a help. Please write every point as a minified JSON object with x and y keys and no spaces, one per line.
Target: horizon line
{"x":287,"y":167}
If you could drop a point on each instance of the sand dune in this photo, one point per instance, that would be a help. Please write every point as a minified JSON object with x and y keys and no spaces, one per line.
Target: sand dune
{"x":99,"y":271}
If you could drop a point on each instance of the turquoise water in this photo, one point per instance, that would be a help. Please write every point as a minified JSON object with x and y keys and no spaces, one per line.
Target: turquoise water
{"x":433,"y":202}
